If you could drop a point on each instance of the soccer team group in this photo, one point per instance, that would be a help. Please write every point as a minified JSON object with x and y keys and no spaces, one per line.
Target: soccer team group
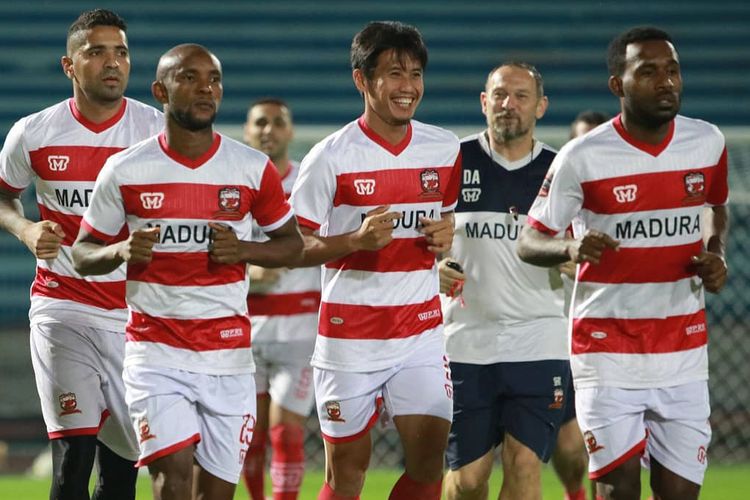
{"x":161,"y":242}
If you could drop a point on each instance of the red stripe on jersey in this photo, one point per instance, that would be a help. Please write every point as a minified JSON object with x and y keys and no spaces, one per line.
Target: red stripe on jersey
{"x":539,"y":226}
{"x":231,"y":332}
{"x":7,"y":187}
{"x":71,"y":224}
{"x":652,"y":191}
{"x":394,"y":149}
{"x":308,"y":223}
{"x":355,"y":322}
{"x":271,"y":203}
{"x":283,"y":304}
{"x":642,"y":265}
{"x":454,"y":184}
{"x":70,"y":163}
{"x":105,"y":295}
{"x":719,"y":191}
{"x":187,"y":201}
{"x":402,"y":254}
{"x":639,"y":336}
{"x":97,"y":127}
{"x":186,"y":269}
{"x":652,"y":149}
{"x":398,"y":185}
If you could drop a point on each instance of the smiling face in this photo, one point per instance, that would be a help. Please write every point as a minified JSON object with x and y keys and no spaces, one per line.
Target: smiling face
{"x":511,"y":104}
{"x":99,"y":65}
{"x":651,"y":85}
{"x":190,"y":87}
{"x":394,"y":91}
{"x":269,"y":129}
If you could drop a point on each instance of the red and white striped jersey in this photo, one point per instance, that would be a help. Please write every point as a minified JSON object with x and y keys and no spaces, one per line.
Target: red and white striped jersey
{"x":187,"y":312}
{"x":377,"y":306}
{"x":287,"y":310}
{"x":62,"y":152}
{"x":638,"y":318}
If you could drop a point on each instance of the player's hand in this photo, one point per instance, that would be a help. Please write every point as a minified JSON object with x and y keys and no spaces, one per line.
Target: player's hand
{"x":438,"y":233}
{"x":137,"y":249}
{"x":591,"y":246}
{"x":568,"y":269}
{"x":376,"y":230}
{"x":264,"y":276}
{"x":43,"y":238}
{"x":224,"y":247}
{"x":712,"y":269}
{"x":451,"y":279}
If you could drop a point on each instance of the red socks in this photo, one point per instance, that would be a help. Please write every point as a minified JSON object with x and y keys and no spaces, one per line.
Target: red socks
{"x":408,"y":489}
{"x":288,"y":461}
{"x":578,"y":495}
{"x":253,"y":469}
{"x":326,"y":493}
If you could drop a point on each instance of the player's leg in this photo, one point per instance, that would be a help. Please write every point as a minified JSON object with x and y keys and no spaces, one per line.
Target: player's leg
{"x":533,"y":410}
{"x":117,"y":476}
{"x":569,"y":458}
{"x":117,"y":449}
{"x":475,"y":431}
{"x":679,"y":435}
{"x":254,"y":468}
{"x":172,"y":475}
{"x":348,"y":407}
{"x":65,"y":362}
{"x":419,"y":397}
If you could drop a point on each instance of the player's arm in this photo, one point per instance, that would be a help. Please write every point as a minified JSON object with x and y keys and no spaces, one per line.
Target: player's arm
{"x":92,"y":255}
{"x":375,"y":232}
{"x":282,"y":249}
{"x":541,"y":249}
{"x":42,"y":238}
{"x":710,"y":264}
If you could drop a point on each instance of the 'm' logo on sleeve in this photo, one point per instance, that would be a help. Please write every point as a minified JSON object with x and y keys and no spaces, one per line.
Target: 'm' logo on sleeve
{"x":152,"y":201}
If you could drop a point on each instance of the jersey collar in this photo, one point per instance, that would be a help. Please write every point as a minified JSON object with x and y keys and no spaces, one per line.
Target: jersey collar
{"x":652,"y":149}
{"x":96,"y":127}
{"x":184,"y":160}
{"x":394,"y":149}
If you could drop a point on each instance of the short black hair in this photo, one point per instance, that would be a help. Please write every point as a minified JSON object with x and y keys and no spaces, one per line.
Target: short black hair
{"x":538,"y":80}
{"x":618,"y":46}
{"x":90,"y":19}
{"x":378,"y":36}
{"x":589,"y":117}
{"x":276,"y":101}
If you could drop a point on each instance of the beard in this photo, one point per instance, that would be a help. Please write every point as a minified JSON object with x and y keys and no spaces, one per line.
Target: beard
{"x":506,"y":130}
{"x":653,"y":117}
{"x":188,"y":121}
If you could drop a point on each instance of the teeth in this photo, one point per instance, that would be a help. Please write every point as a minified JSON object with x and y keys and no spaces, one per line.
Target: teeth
{"x":404,"y":102}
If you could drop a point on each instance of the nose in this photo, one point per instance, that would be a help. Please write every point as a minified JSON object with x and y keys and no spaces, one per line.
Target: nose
{"x":111,"y":61}
{"x":508,"y":103}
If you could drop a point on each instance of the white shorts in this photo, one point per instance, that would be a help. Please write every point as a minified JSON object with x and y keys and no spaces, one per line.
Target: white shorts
{"x":669,"y":424}
{"x":171,"y":409}
{"x":350,"y":403}
{"x":282,"y":369}
{"x":78,"y":373}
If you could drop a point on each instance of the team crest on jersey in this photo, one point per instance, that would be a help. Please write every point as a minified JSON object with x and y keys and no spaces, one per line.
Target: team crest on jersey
{"x":625,"y":193}
{"x":144,"y":430}
{"x":430,"y":182}
{"x":230,"y":203}
{"x":364,"y":187}
{"x":68,"y":403}
{"x":58,"y":163}
{"x":546,"y":183}
{"x":152,"y":201}
{"x":333,"y":409}
{"x":591,"y":445}
{"x":695,"y":186}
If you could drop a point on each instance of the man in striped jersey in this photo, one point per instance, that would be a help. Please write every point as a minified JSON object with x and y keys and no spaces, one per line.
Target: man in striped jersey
{"x":77,"y":323}
{"x":283,"y":305}
{"x":375,"y":200}
{"x":189,"y":197}
{"x":649,"y":190}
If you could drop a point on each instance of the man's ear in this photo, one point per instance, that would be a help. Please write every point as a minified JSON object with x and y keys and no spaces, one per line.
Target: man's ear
{"x":615,"y":86}
{"x":67,"y":66}
{"x":359,"y":80}
{"x":159,"y":91}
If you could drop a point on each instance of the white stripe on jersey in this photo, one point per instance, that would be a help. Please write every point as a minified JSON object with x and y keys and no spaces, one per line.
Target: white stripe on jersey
{"x":169,"y":301}
{"x":383,"y":289}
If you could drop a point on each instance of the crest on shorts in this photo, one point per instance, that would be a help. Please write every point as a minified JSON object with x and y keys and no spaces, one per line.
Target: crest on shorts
{"x":68,"y":403}
{"x":591,"y":445}
{"x":144,"y":430}
{"x":429,"y":180}
{"x":558,"y":399}
{"x":695,"y":186}
{"x":333,"y":409}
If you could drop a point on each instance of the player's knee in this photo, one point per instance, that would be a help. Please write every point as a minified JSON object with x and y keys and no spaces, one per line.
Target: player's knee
{"x":467,"y":481}
{"x":72,"y":460}
{"x":520,"y":461}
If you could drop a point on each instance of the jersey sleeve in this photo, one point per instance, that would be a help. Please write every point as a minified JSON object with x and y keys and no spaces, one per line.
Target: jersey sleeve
{"x":718,"y":193}
{"x":15,"y":164}
{"x":105,"y":214}
{"x":454,"y":184}
{"x":313,"y":192}
{"x":270,"y":208}
{"x":560,"y":197}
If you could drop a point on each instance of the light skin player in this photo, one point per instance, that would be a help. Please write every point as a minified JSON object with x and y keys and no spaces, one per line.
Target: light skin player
{"x":189,"y":85}
{"x":646,"y":78}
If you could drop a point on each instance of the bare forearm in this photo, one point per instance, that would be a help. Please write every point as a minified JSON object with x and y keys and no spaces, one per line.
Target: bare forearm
{"x":319,"y":249}
{"x":716,"y":221}
{"x":282,"y":251}
{"x":11,"y":215}
{"x":538,"y":250}
{"x":91,"y":258}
